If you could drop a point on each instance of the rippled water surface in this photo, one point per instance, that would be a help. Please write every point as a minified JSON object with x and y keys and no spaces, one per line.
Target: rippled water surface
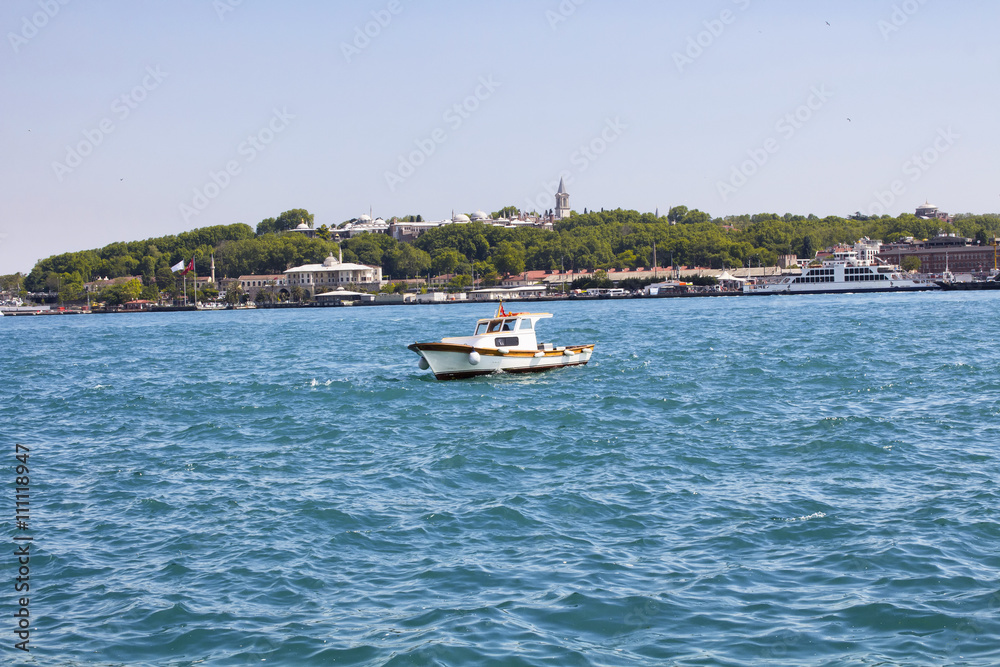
{"x":772,"y":480}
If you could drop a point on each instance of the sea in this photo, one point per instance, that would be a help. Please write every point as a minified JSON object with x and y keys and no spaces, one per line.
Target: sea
{"x":779,"y":480}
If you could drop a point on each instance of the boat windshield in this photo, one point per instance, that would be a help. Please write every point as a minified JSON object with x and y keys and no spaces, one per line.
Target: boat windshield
{"x":525,"y":325}
{"x":494,"y":326}
{"x":481,"y":328}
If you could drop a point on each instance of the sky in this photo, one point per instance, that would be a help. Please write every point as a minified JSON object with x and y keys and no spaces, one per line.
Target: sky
{"x":125,"y":120}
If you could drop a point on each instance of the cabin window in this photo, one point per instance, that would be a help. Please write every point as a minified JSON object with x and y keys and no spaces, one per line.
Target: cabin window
{"x":508,"y":325}
{"x":525,"y":325}
{"x":495,"y":326}
{"x":481,"y":328}
{"x":507,"y":342}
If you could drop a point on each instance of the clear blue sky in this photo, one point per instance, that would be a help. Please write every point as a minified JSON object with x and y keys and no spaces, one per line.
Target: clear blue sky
{"x":665,"y":124}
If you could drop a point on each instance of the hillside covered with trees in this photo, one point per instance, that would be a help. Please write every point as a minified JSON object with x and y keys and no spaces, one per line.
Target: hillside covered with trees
{"x":592,"y":240}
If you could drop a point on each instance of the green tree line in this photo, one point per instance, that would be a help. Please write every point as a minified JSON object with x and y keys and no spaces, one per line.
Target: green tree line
{"x":592,"y":240}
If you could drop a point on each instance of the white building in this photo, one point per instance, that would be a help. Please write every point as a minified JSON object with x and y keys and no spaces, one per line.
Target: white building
{"x":332,"y":273}
{"x":365,"y":224}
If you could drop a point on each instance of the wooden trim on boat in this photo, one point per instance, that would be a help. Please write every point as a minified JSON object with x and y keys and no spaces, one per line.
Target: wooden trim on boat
{"x":459,"y":375}
{"x":494,"y":352}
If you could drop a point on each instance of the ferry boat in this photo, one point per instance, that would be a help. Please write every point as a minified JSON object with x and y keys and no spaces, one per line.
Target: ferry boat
{"x":504,"y":343}
{"x":843,"y":272}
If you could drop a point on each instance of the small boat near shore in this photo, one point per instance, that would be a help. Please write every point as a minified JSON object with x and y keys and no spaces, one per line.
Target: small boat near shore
{"x":504,"y":343}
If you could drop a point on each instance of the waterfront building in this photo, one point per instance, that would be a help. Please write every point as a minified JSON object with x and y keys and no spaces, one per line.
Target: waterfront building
{"x":332,"y":273}
{"x":254,"y":284}
{"x":101,"y":283}
{"x":943,"y":252}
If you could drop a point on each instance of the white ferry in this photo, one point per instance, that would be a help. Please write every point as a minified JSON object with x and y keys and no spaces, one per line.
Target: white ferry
{"x":503,"y":343}
{"x":843,"y":272}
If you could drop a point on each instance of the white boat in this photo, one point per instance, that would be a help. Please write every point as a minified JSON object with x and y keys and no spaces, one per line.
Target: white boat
{"x":504,"y":343}
{"x":844,"y":271}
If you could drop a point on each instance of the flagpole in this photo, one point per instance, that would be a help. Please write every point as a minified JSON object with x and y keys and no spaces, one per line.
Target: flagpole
{"x":195,"y":282}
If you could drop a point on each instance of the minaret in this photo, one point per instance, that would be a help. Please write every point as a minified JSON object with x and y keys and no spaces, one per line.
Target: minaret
{"x":562,"y":202}
{"x":213,"y":268}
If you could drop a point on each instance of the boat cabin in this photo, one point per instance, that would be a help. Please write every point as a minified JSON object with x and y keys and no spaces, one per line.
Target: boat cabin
{"x":501,"y":324}
{"x":513,"y":330}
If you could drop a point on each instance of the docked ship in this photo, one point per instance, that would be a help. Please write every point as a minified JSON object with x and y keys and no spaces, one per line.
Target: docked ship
{"x":845,"y":271}
{"x":504,"y":343}
{"x":992,"y":282}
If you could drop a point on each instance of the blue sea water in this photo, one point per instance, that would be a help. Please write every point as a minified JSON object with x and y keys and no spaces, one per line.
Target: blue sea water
{"x":771,"y":480}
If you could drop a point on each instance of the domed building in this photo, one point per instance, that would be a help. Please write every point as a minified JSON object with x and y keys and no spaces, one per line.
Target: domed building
{"x":480,"y":216}
{"x":332,"y":273}
{"x":365,"y":225}
{"x":305,"y":230}
{"x":460,"y":217}
{"x":928,"y":211}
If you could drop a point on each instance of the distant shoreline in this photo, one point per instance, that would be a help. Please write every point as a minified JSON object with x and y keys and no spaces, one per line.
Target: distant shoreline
{"x":27,"y":311}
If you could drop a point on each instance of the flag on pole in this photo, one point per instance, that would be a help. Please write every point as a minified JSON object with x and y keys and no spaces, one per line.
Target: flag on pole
{"x":188,"y":268}
{"x":178,"y":266}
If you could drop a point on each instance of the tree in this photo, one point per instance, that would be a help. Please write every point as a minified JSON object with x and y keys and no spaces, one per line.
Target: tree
{"x":446,"y":261}
{"x":208,"y":292}
{"x":674,"y":215}
{"x":808,"y":251}
{"x":323,"y":233}
{"x":405,"y":261}
{"x":910,"y":263}
{"x":150,"y":293}
{"x":487,"y":273}
{"x":509,"y":258}
{"x":287,"y":220}
{"x":234,"y":293}
{"x":506,"y":212}
{"x":166,"y":280}
{"x":116,"y":295}
{"x":459,"y":283}
{"x":297,"y":293}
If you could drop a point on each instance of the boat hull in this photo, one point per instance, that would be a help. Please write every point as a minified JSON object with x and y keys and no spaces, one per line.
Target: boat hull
{"x":452,"y":362}
{"x":975,"y":285}
{"x":842,"y":288}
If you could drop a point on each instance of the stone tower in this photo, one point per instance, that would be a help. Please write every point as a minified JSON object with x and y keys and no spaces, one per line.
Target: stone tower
{"x":562,"y":202}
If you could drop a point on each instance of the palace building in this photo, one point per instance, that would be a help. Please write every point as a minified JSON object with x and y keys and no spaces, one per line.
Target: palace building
{"x":332,"y":273}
